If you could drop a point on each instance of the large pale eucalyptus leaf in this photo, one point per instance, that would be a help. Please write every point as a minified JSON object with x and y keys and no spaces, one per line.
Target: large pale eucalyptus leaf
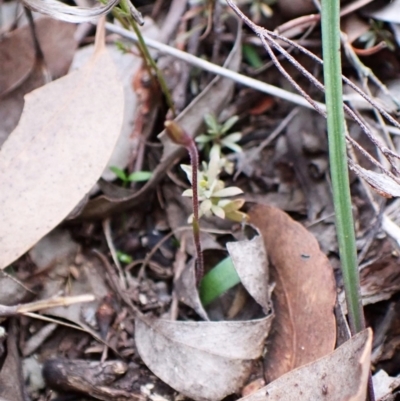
{"x":59,"y":149}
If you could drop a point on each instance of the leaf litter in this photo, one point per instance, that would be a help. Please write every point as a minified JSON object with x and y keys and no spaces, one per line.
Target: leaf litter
{"x":293,"y":174}
{"x":190,"y":356}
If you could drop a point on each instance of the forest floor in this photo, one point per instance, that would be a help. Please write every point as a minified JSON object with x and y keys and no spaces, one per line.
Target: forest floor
{"x":101,"y":290}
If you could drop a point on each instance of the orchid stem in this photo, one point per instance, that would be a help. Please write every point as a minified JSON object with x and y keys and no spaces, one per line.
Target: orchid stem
{"x":180,"y":137}
{"x":194,"y":161}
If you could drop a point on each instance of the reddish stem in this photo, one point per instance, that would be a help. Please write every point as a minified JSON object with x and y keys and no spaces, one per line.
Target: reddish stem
{"x":194,"y":161}
{"x":179,"y":136}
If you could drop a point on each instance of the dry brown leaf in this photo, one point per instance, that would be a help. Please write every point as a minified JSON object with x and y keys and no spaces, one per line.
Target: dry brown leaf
{"x":64,"y":12}
{"x":294,"y":8}
{"x":250,"y":261}
{"x":389,"y":12}
{"x":339,"y":376}
{"x":354,"y":26}
{"x":203,"y":360}
{"x":58,"y":256}
{"x":186,"y":290}
{"x":128,"y":65}
{"x":384,"y":385}
{"x":304,"y":296}
{"x":17,"y":51}
{"x":19,"y":74}
{"x":381,"y":183}
{"x":17,"y":56}
{"x":57,"y":152}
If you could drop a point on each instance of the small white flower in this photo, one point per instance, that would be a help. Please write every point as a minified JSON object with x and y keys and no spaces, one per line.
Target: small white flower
{"x":211,"y":189}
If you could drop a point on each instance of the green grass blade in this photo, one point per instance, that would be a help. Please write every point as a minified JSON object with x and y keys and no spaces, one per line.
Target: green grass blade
{"x":338,"y":161}
{"x":218,"y":280}
{"x":139,"y":176}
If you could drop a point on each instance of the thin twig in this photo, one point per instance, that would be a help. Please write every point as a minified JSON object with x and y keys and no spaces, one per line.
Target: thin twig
{"x":216,"y":69}
{"x":107,"y":233}
{"x":23,"y":309}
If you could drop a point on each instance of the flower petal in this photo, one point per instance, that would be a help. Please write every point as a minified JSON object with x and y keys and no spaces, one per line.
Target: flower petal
{"x":237,"y":216}
{"x":188,"y":193}
{"x":218,"y":211}
{"x":213,"y":169}
{"x":231,"y":206}
{"x":225,"y":192}
{"x":188,"y":171}
{"x":205,"y":206}
{"x":232,"y":138}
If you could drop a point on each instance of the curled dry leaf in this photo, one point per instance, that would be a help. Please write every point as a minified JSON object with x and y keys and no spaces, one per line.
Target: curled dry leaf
{"x":202,"y":360}
{"x":304,"y":296}
{"x":384,"y":385}
{"x":208,"y":360}
{"x":388,"y":12}
{"x":250,"y":261}
{"x":381,"y":183}
{"x":186,"y":290}
{"x":58,"y":10}
{"x":58,"y":151}
{"x":339,"y":376}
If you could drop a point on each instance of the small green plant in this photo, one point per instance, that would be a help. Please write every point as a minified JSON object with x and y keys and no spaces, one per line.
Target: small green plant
{"x":377,"y":33}
{"x":124,"y":257}
{"x":217,"y":134}
{"x":218,"y":280}
{"x":137,"y":176}
{"x":259,"y":8}
{"x":251,"y":55}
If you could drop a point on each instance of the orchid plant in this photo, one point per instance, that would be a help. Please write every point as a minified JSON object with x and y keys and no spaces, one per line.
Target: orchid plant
{"x":212,"y":192}
{"x":207,"y":189}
